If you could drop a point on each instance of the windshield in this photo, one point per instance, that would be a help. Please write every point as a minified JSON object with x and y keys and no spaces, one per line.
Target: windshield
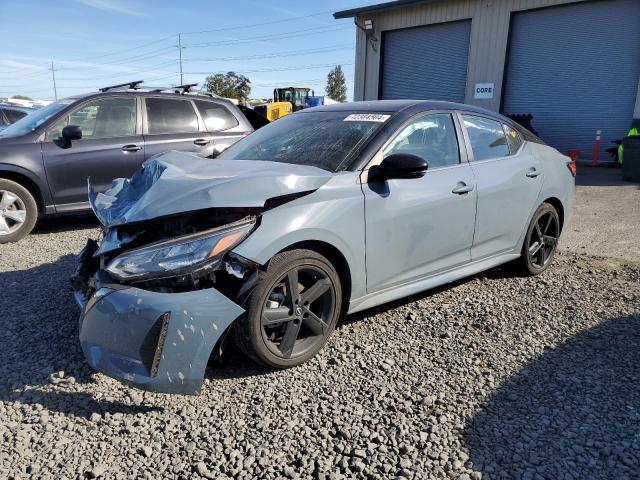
{"x":327,"y":140}
{"x":34,"y":119}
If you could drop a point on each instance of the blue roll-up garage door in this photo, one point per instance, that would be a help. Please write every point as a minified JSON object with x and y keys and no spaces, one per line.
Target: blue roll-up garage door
{"x":426,"y":62}
{"x":576,"y":69}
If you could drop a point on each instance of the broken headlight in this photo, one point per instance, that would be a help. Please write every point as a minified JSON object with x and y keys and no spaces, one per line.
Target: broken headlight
{"x":180,"y":255}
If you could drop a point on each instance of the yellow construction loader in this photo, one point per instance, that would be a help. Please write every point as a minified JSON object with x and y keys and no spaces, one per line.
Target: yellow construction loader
{"x":286,"y":100}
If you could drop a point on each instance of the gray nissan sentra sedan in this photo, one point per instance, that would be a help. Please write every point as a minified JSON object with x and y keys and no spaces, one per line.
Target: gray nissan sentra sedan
{"x":332,"y":209}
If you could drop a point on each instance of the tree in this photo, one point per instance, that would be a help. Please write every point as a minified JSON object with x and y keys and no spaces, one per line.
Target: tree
{"x":21,"y":97}
{"x":337,"y":85}
{"x":229,"y":85}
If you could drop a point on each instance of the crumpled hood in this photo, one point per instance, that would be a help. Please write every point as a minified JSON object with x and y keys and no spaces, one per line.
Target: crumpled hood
{"x":176,"y":182}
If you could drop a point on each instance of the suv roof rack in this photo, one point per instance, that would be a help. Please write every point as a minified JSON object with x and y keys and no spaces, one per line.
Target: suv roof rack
{"x":185,"y":89}
{"x":177,"y":89}
{"x":137,"y":85}
{"x":129,"y":86}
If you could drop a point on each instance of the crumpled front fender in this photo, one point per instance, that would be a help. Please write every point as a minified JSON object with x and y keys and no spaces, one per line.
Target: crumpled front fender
{"x":159,"y":342}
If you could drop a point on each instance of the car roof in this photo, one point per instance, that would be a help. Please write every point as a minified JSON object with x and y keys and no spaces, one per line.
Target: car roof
{"x":149,"y":93}
{"x":412,"y":106}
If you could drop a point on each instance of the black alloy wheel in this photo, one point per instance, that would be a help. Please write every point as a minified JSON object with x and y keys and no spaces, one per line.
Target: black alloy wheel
{"x":541,"y":240}
{"x":295,"y":316}
{"x":292,"y":310}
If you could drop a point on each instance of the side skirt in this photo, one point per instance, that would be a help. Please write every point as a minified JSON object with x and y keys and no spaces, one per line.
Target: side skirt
{"x":400,"y":291}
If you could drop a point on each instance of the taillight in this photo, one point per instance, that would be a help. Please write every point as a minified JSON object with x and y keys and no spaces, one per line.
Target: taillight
{"x":572,"y":167}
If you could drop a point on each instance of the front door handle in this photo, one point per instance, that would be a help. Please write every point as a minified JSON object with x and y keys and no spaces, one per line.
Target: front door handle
{"x":131,"y":148}
{"x":202,"y":141}
{"x":462,"y":188}
{"x":533,"y":172}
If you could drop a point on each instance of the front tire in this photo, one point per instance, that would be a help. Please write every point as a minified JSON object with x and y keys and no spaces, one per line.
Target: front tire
{"x":18,"y":211}
{"x":541,"y":241}
{"x":292,"y":310}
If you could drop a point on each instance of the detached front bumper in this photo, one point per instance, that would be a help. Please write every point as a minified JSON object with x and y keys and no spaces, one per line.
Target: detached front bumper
{"x":159,"y":342}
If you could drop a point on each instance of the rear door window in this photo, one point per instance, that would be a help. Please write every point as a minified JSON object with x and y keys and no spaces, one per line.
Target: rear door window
{"x":169,"y":115}
{"x":487,"y":137}
{"x":216,"y":117}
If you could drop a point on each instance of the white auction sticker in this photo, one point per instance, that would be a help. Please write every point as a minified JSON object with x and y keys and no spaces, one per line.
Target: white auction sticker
{"x":367,"y":117}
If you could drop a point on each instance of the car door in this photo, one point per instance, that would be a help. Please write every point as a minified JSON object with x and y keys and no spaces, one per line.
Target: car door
{"x":221,"y":123}
{"x":173,"y":124}
{"x":111,"y":142}
{"x":419,"y":227}
{"x":509,"y":180}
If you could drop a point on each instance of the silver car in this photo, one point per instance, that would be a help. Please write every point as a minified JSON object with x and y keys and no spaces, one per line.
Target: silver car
{"x":331,"y":210}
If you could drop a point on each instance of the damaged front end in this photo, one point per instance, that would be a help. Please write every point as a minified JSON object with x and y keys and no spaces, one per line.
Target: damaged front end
{"x":152,"y":314}
{"x":161,"y":289}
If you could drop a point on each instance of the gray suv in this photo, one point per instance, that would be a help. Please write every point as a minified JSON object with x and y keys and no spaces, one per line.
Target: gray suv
{"x":46,"y":158}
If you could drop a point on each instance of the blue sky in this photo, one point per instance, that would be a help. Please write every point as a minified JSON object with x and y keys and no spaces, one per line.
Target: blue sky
{"x":94,"y":43}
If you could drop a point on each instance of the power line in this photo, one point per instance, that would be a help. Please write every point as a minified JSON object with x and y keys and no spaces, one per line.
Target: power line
{"x":93,"y":57}
{"x":291,"y":53}
{"x":296,"y":82}
{"x":279,"y":69}
{"x":120,"y":74}
{"x":276,"y":36}
{"x":159,"y":40}
{"x":134,"y":59}
{"x":272,"y":22}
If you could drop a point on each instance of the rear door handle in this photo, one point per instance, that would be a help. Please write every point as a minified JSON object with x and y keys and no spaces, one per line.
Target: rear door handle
{"x":533,"y":172}
{"x":462,"y":188}
{"x":202,"y":141}
{"x":131,"y":148}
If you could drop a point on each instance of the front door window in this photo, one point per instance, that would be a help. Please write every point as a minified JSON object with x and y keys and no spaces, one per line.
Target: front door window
{"x":431,"y":137}
{"x":101,"y":118}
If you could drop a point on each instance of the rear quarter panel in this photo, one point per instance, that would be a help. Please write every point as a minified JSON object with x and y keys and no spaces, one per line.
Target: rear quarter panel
{"x":558,"y":182}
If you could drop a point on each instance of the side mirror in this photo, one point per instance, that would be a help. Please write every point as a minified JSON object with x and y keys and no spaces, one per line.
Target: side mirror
{"x":69,"y":133}
{"x":72,"y":132}
{"x":399,"y":165}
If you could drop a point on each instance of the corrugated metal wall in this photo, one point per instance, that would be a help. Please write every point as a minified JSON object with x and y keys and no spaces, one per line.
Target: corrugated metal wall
{"x":426,"y":62}
{"x":488,"y":46}
{"x":576,"y":69}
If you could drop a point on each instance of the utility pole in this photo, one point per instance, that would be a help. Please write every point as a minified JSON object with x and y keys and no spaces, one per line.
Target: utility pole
{"x":53,"y":76}
{"x":180,"y":56}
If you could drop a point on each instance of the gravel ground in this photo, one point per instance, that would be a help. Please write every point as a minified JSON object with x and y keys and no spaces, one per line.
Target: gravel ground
{"x":494,"y":377}
{"x":607,"y":215}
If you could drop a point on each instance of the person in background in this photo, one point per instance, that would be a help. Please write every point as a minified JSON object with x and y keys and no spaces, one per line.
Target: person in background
{"x":634,"y":132}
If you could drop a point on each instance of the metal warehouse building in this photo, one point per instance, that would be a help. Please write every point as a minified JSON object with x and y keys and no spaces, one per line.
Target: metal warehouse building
{"x":573,"y":65}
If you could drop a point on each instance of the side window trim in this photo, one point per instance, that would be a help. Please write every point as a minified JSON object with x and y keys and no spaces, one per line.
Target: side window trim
{"x":462,"y":150}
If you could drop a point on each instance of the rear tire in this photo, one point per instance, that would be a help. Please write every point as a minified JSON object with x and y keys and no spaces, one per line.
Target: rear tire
{"x":291,"y":311}
{"x":541,"y":241}
{"x":18,"y":211}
